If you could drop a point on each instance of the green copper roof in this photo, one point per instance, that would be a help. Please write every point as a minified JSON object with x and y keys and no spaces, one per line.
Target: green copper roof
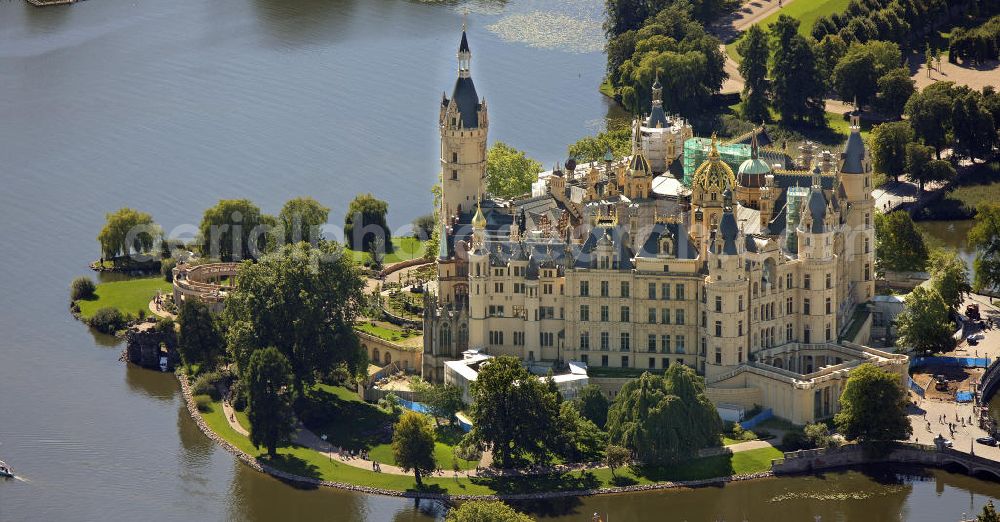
{"x":754,"y":166}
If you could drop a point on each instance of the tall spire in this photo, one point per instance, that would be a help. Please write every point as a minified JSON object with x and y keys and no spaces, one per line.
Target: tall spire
{"x":464,"y":54}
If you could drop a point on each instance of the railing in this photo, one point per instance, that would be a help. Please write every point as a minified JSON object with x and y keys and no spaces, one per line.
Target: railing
{"x":988,"y":382}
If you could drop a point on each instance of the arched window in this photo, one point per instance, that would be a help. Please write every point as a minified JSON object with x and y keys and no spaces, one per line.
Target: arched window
{"x":463,"y":337}
{"x":388,"y":358}
{"x":445,"y":338}
{"x":375,"y":357}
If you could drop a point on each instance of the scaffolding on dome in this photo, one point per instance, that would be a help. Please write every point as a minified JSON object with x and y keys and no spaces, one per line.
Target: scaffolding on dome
{"x":696,"y":152}
{"x":794,"y":199}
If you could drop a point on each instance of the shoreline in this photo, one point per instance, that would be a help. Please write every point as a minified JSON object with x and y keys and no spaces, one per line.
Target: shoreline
{"x":252,"y":462}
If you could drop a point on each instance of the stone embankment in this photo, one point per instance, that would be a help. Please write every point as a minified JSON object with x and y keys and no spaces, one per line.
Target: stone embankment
{"x":251,"y":461}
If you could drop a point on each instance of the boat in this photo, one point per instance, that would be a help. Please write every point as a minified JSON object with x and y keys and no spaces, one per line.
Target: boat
{"x":164,"y":364}
{"x":5,"y":470}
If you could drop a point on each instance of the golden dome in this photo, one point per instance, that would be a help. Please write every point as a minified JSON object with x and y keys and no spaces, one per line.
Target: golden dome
{"x":479,"y":220}
{"x":714,"y":174}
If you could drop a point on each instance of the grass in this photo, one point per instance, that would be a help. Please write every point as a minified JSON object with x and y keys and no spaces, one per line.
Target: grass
{"x":608,"y":371}
{"x":129,"y":296}
{"x":977,"y":185}
{"x":606,"y":89}
{"x":309,"y":463}
{"x":403,"y":249}
{"x":383,"y":330}
{"x":806,"y":11}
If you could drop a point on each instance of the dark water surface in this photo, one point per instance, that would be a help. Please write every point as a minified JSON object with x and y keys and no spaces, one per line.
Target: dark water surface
{"x":168,"y":106}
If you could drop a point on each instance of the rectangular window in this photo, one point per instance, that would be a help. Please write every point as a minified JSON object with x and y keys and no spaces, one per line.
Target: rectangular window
{"x":788,"y":306}
{"x":651,"y":343}
{"x":604,"y":289}
{"x":805,"y":306}
{"x":828,"y":332}
{"x":739,"y":328}
{"x":652,"y":290}
{"x":680,"y":344}
{"x":718,"y":328}
{"x":584,"y":288}
{"x":788,"y":332}
{"x":625,"y":289}
{"x":605,"y":341}
{"x":788,"y":281}
{"x":829,"y":281}
{"x":665,"y":363}
{"x":679,"y":316}
{"x":665,"y":316}
{"x":718,"y":303}
{"x":806,"y":282}
{"x":625,"y":344}
{"x":652,"y":363}
{"x":585,"y":341}
{"x":665,"y":343}
{"x":718,"y":355}
{"x":829,"y":306}
{"x":454,"y":174}
{"x":584,"y":313}
{"x":652,"y":316}
{"x":604,"y":314}
{"x":625,"y":318}
{"x":680,"y":292}
{"x":584,"y":359}
{"x":604,"y":361}
{"x":625,"y":361}
{"x":665,"y":291}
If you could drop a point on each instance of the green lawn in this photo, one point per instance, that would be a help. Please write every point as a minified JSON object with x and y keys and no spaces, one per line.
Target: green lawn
{"x":129,"y":296}
{"x":403,"y":249}
{"x":979,"y":185}
{"x":444,"y":450}
{"x":383,"y":330}
{"x":807,"y":11}
{"x":309,"y":463}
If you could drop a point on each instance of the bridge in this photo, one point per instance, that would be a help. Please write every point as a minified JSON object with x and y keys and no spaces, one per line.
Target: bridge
{"x":988,"y":383}
{"x":896,"y":453}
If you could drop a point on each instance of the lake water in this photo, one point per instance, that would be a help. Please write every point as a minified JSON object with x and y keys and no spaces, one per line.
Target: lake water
{"x":169,"y":106}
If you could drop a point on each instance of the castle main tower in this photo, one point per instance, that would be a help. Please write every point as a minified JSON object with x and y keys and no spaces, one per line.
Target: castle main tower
{"x":464,"y":124}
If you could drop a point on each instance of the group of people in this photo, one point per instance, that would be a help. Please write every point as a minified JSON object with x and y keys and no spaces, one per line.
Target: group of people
{"x":359,"y":454}
{"x":952,"y":426}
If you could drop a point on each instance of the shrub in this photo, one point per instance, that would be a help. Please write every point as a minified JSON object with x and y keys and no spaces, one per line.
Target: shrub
{"x":203,"y":402}
{"x":207,"y":384}
{"x":165,"y":324}
{"x":108,"y":320}
{"x":167,"y":269}
{"x":82,"y":288}
{"x":794,"y":440}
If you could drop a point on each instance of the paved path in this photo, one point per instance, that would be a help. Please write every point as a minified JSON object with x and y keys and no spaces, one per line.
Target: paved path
{"x":159,"y":312}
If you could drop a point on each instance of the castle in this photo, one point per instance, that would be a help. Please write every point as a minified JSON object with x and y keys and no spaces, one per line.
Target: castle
{"x":757,"y":277}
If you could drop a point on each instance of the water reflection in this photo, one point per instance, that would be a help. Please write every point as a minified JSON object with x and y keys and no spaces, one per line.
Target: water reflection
{"x":102,"y":339}
{"x":196,"y":448}
{"x":151,"y":383}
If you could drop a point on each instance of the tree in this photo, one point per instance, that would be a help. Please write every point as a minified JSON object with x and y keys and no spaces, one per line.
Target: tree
{"x":593,"y":148}
{"x":894,"y":89}
{"x":917,"y":158}
{"x":234,"y":229}
{"x":300,"y":219}
{"x":830,"y":49}
{"x":443,"y":400}
{"x":270,"y":410}
{"x":82,"y":287}
{"x":755,"y":52}
{"x":485,"y":511}
{"x":127,"y":231}
{"x":616,"y":457}
{"x":513,"y":413}
{"x":899,"y":247}
{"x":423,"y":227}
{"x":989,"y":513}
{"x":578,"y":439}
{"x":301,"y":299}
{"x":593,"y":405}
{"x":936,"y":170}
{"x":199,"y":339}
{"x":873,"y":406}
{"x":929,"y":113}
{"x":509,"y":173}
{"x":797,"y":87}
{"x":664,"y":419}
{"x":855,"y":77}
{"x":984,"y":237}
{"x":949,"y":277}
{"x":923,"y":324}
{"x":818,"y":435}
{"x":413,"y":445}
{"x":376,"y":252}
{"x":365,"y":220}
{"x":974,"y":129}
{"x":624,"y":15}
{"x":888,"y":147}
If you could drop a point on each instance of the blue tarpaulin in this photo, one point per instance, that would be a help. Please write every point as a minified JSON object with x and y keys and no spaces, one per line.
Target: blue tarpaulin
{"x":963,"y":396}
{"x":961,"y":362}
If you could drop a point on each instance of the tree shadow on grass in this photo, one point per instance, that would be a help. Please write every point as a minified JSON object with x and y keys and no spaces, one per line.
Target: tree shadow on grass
{"x":291,"y":464}
{"x":698,"y":469}
{"x":513,"y":485}
{"x":353,"y":425}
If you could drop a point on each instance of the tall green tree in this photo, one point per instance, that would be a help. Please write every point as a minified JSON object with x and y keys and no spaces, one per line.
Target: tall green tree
{"x":756,"y":52}
{"x":894,"y":89}
{"x":924,"y":324}
{"x":873,"y":406}
{"x":593,"y":148}
{"x":917,"y":158}
{"x":888,"y":147}
{"x":413,"y":445}
{"x":199,"y":339}
{"x":272,"y":422}
{"x":795,"y":81}
{"x":486,"y":511}
{"x":513,"y":413}
{"x":616,"y":456}
{"x":949,"y":277}
{"x":578,"y":439}
{"x":365,"y":220}
{"x":300,"y":219}
{"x":829,"y":50}
{"x":975,"y":130}
{"x":899,"y":247}
{"x":443,"y":400}
{"x":855,"y":77}
{"x":624,"y":15}
{"x":127,"y":231}
{"x":664,"y":419}
{"x":234,"y":229}
{"x":509,"y":173}
{"x":593,"y":405}
{"x":984,"y":237}
{"x":302,"y":300}
{"x":929,"y":113}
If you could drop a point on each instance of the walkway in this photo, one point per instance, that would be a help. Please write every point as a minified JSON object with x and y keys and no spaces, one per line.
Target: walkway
{"x":159,"y":312}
